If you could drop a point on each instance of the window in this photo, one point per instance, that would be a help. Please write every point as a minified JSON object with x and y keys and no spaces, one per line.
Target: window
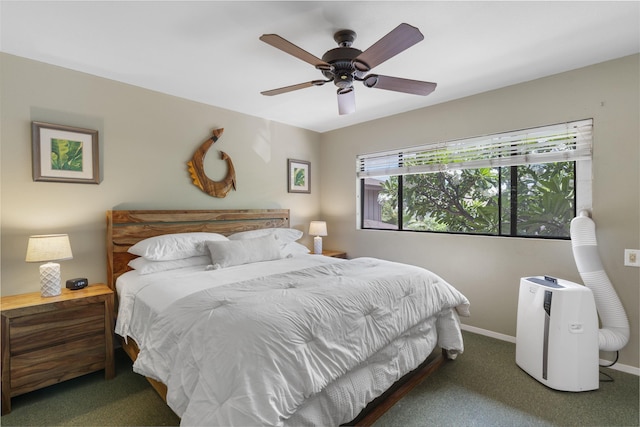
{"x":527,"y":183}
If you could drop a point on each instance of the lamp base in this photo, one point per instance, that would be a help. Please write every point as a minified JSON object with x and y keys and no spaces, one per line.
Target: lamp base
{"x":50,"y":283}
{"x":317,"y":245}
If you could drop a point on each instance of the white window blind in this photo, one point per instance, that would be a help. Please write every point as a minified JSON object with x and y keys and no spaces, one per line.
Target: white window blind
{"x":556,"y":143}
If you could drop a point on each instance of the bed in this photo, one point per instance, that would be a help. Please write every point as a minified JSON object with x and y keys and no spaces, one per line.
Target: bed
{"x":248,"y":328}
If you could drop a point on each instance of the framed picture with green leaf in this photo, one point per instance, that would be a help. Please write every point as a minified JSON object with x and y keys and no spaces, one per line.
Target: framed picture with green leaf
{"x":299,"y":176}
{"x":65,"y":154}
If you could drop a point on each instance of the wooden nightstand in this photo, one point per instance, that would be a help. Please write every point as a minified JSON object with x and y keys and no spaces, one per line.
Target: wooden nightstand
{"x":49,"y":340}
{"x":335,"y":254}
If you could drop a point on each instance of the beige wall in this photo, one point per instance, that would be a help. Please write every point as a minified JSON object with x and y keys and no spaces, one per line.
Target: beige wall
{"x":146,"y":138}
{"x":487,"y":269}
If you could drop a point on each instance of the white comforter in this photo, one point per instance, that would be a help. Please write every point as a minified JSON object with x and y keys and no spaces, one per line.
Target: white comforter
{"x":252,"y":352}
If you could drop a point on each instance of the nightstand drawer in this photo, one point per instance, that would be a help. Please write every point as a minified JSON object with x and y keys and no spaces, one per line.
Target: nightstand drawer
{"x":37,"y":369}
{"x":55,"y":327}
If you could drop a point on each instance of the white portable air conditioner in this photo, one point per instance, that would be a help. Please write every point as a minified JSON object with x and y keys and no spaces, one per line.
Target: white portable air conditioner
{"x":557,"y":333}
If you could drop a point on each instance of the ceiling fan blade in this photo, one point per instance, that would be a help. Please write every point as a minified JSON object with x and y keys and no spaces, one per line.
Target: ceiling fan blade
{"x":399,"y":39}
{"x":346,"y":101}
{"x":397,"y":84}
{"x":293,"y":87}
{"x":290,"y":48}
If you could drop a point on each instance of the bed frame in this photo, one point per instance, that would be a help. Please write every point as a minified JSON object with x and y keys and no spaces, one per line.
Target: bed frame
{"x":127,"y":227}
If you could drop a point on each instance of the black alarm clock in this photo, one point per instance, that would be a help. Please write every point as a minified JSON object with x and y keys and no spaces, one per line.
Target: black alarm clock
{"x":79,"y":283}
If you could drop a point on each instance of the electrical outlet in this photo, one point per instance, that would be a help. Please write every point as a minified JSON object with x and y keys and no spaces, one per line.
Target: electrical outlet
{"x":632,"y":257}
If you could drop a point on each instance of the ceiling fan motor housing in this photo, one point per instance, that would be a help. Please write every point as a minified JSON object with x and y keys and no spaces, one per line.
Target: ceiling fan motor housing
{"x":342,"y":70}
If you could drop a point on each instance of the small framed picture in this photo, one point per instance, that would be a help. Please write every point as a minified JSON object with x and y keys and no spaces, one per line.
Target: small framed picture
{"x":65,"y":154}
{"x":299,"y":176}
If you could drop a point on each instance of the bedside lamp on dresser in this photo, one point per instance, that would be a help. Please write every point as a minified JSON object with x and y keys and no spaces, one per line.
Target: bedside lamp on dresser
{"x":317,"y":229}
{"x":47,"y":248}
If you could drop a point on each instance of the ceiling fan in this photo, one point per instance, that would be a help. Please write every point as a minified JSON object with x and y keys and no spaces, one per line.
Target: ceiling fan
{"x":344,"y":65}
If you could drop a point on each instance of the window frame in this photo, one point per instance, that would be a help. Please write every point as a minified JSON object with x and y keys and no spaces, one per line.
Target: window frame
{"x":579,"y":133}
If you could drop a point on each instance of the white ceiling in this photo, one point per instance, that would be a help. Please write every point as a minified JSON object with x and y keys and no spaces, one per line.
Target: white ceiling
{"x":208,"y":51}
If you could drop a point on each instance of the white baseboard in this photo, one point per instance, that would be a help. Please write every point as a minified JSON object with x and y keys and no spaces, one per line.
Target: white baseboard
{"x":502,"y":337}
{"x":487,"y":333}
{"x":622,"y":368}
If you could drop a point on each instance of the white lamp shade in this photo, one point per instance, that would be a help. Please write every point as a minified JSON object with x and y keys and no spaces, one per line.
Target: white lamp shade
{"x":48,"y":247}
{"x":318,"y":228}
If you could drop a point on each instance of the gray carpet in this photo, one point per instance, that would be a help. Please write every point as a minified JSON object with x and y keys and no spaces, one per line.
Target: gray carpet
{"x":484,"y":387}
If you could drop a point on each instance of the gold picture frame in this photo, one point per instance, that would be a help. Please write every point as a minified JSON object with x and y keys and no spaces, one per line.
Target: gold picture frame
{"x":65,"y":154}
{"x":298,"y":176}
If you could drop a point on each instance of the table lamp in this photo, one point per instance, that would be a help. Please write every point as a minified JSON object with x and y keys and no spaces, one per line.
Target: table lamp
{"x":317,"y":229}
{"x":47,"y":248}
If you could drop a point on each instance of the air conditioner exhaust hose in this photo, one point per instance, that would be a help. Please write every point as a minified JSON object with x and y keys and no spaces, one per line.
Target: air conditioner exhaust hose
{"x":614,"y":333}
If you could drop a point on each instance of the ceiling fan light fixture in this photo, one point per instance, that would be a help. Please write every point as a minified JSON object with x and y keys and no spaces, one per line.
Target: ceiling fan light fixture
{"x":346,"y":101}
{"x":343,"y":80}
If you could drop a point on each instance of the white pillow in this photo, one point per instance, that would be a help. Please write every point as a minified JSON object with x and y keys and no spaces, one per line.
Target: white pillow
{"x":145,"y":266}
{"x":237,"y":252}
{"x":174,"y":246}
{"x":293,"y":249}
{"x":285,"y":235}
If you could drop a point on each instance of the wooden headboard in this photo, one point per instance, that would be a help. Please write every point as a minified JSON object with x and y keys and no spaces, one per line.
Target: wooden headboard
{"x":127,"y":227}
